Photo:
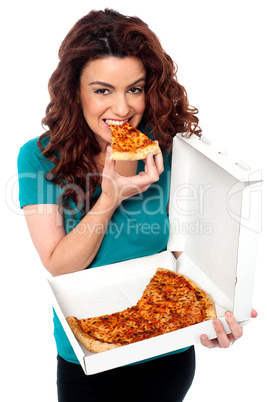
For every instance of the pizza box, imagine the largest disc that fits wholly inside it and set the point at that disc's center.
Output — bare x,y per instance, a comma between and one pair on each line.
214,210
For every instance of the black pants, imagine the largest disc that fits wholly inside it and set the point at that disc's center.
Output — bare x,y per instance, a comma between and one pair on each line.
166,379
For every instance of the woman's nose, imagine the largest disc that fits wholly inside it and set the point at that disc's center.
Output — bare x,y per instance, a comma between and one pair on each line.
121,106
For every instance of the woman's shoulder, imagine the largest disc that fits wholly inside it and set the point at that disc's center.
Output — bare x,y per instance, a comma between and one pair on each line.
31,154
32,145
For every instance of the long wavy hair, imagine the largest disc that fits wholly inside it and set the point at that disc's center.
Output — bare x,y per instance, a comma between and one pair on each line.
72,145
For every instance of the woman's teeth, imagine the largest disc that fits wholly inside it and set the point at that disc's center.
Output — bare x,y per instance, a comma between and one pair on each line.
116,122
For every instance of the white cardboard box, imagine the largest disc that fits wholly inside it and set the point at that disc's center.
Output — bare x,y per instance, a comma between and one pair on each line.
215,207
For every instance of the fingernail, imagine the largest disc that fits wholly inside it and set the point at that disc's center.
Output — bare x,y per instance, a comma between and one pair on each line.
228,314
254,313
216,322
203,337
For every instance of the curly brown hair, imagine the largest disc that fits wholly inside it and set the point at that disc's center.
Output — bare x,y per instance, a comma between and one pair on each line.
72,145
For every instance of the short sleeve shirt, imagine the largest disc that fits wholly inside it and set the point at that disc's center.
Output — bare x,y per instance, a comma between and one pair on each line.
139,226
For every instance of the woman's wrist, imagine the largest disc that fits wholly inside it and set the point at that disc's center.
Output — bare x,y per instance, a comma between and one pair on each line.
105,205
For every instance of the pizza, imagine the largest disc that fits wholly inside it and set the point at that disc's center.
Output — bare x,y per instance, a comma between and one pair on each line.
169,302
128,143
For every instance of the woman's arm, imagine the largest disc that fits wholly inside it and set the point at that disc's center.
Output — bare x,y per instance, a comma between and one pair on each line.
63,253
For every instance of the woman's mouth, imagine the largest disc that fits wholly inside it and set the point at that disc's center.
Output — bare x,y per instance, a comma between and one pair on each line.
116,122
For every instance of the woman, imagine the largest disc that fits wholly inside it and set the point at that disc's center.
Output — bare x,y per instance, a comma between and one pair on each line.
79,204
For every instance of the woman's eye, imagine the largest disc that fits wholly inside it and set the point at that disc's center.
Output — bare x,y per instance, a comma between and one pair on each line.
102,91
135,90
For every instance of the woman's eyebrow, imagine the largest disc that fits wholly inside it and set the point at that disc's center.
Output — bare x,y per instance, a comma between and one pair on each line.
105,84
136,82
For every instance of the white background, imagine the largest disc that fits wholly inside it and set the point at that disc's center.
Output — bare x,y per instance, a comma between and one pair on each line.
220,49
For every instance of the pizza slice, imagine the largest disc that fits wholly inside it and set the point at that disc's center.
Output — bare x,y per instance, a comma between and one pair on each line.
128,143
107,332
169,302
172,301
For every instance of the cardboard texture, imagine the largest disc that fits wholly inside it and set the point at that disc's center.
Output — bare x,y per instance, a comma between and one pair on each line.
214,213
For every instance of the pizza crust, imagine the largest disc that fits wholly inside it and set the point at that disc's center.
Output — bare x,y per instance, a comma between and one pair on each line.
137,155
86,340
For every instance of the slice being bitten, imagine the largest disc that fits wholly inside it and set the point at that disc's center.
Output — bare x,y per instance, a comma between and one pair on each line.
128,143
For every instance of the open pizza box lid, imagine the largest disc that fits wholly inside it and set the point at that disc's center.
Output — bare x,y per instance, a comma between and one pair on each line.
214,207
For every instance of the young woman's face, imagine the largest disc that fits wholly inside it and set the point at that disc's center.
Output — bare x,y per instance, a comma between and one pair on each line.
112,91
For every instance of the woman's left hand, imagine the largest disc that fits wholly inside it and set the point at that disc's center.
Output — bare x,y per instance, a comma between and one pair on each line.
223,340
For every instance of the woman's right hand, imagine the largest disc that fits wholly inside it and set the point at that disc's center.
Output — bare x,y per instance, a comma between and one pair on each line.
117,188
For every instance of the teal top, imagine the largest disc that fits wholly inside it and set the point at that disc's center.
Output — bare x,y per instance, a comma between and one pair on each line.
139,226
